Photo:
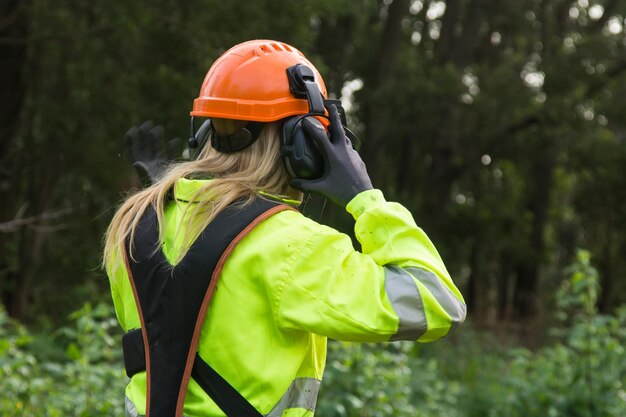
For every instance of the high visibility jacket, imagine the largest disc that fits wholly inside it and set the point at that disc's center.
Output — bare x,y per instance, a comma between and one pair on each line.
290,284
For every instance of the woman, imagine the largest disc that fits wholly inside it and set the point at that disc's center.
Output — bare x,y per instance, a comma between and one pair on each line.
280,283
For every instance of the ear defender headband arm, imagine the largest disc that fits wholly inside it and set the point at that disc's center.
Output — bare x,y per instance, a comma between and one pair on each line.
193,141
302,156
198,138
302,85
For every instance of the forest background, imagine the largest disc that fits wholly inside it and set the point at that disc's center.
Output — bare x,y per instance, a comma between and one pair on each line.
500,125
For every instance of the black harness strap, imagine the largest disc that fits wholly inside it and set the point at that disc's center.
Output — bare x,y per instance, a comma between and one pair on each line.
172,302
227,398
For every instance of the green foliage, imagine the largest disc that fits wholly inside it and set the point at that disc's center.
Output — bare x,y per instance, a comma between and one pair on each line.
75,371
384,380
583,373
364,380
577,297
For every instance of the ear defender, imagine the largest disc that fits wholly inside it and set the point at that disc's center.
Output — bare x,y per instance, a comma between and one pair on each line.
301,155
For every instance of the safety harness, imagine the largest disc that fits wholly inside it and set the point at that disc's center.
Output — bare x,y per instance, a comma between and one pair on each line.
172,303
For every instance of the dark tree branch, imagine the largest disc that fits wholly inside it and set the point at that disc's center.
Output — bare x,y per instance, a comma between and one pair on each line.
14,225
539,117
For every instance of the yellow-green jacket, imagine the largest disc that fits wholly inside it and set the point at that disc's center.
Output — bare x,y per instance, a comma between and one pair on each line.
289,285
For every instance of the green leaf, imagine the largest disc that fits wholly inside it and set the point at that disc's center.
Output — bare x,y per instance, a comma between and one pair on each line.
73,351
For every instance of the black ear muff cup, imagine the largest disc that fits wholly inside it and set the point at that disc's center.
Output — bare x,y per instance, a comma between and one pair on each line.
301,154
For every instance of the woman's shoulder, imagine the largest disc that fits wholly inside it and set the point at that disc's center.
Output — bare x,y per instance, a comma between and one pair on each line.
283,234
292,222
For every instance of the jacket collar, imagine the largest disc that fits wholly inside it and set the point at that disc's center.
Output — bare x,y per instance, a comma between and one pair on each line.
185,190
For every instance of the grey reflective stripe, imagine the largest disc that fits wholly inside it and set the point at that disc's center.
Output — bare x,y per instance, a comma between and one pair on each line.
302,393
407,302
455,308
131,410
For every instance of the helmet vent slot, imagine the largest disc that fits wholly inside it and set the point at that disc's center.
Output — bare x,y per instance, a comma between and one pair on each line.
277,47
265,49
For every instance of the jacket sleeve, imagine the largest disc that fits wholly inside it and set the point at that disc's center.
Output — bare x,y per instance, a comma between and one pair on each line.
397,288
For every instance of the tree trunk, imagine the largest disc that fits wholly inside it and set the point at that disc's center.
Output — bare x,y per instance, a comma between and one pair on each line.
13,26
525,295
505,286
474,288
382,74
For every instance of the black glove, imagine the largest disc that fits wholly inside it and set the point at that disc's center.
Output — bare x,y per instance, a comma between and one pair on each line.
345,174
148,150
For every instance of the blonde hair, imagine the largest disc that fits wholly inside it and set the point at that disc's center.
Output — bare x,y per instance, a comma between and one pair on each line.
234,176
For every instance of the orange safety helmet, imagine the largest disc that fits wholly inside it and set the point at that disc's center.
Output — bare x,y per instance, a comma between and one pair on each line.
250,82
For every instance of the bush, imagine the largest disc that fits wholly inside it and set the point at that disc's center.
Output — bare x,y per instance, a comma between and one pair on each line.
584,372
84,378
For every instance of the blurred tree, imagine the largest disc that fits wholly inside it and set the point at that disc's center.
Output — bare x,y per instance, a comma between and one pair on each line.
471,86
13,31
500,125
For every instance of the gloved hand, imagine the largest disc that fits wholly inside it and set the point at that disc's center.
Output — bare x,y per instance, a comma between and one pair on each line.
148,150
345,174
